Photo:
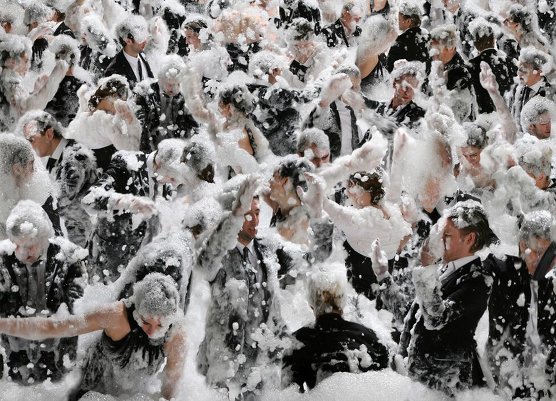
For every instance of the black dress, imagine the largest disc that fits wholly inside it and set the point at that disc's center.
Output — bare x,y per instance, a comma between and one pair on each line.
123,366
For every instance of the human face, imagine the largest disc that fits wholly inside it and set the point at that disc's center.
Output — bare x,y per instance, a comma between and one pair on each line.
457,244
152,326
23,172
358,196
403,22
107,105
320,156
29,250
19,64
277,186
350,18
404,89
192,39
527,75
543,127
135,48
248,231
226,110
170,87
303,48
512,26
532,252
441,53
7,26
41,142
472,154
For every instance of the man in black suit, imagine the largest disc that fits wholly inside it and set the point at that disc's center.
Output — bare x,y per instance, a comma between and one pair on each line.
411,45
162,109
504,70
344,31
521,311
44,272
59,16
439,329
129,62
71,165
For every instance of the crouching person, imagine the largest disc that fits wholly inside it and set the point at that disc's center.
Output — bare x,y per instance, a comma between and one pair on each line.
331,344
40,275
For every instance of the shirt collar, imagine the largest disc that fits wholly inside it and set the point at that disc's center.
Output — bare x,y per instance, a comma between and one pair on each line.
130,59
537,86
463,261
59,149
249,246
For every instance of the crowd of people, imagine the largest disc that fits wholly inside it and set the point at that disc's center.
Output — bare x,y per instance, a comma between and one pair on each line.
402,150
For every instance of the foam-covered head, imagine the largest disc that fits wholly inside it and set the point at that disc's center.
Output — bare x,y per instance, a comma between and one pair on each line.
445,35
156,297
237,95
14,151
200,157
470,216
13,47
534,156
535,59
536,116
327,288
134,27
312,136
265,63
113,86
538,224
36,13
476,135
42,120
65,48
519,14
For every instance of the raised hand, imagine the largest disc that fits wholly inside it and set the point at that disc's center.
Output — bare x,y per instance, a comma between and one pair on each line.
245,193
314,197
334,88
487,78
378,259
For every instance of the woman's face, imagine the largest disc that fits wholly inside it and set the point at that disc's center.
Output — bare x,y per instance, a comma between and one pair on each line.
107,105
358,196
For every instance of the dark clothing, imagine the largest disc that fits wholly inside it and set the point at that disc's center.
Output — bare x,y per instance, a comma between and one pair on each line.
509,306
104,156
376,76
503,70
136,355
299,9
411,45
115,238
94,61
277,116
520,94
438,338
63,29
334,345
458,76
65,103
162,117
63,283
240,55
336,35
408,115
50,206
121,66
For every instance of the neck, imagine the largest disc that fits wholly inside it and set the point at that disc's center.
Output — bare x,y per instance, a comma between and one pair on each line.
55,143
131,52
244,241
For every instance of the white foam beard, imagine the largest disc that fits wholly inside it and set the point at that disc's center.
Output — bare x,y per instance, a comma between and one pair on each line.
165,323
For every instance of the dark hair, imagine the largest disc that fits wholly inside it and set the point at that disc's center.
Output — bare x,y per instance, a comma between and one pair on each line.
470,217
371,182
301,29
238,96
476,135
113,87
195,25
45,121
293,168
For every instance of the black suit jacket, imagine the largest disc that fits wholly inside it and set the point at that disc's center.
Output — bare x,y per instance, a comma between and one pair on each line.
120,66
63,29
411,45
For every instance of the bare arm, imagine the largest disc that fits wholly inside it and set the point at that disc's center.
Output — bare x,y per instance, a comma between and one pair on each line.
176,351
38,328
488,81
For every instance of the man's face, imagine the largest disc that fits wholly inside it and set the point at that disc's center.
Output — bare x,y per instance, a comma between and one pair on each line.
403,22
320,156
303,47
350,18
527,75
543,127
251,222
134,46
532,252
457,244
441,53
41,142
404,89
29,250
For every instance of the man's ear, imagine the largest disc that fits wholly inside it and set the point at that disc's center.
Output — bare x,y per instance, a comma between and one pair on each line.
471,238
49,133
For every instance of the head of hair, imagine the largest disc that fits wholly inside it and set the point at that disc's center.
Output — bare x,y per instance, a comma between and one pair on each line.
112,86
301,29
44,121
36,12
476,135
534,156
172,69
327,288
293,168
371,182
134,27
156,295
536,59
413,10
194,24
239,97
14,150
445,35
28,220
470,217
14,46
536,225
535,108
310,136
519,14
200,158
482,33
350,70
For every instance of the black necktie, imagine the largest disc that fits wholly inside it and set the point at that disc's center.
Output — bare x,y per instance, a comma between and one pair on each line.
139,68
50,164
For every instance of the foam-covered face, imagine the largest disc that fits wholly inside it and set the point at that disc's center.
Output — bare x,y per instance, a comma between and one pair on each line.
251,222
154,326
527,75
170,87
404,89
532,252
192,38
29,250
543,127
472,154
358,196
19,64
457,244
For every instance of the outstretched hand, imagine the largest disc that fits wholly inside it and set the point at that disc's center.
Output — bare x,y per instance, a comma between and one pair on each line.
334,88
487,78
314,197
378,259
242,203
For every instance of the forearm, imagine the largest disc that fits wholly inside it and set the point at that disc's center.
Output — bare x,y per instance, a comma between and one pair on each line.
508,125
38,328
40,99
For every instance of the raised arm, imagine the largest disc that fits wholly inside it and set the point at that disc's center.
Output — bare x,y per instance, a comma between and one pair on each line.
488,81
176,351
39,328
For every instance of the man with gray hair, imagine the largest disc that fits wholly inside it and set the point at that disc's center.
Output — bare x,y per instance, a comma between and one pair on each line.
345,30
162,109
132,34
536,117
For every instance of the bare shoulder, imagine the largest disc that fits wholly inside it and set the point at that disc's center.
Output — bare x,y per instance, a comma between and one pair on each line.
112,318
